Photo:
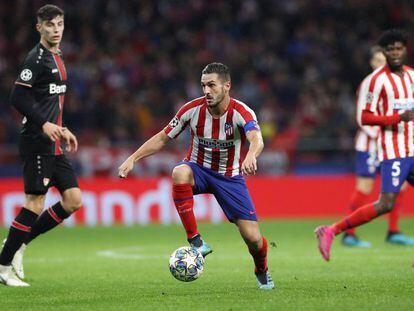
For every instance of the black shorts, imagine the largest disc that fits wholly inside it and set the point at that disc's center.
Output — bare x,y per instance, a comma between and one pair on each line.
43,171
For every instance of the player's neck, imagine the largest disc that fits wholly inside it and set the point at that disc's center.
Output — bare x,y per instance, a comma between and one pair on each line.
220,109
397,70
52,48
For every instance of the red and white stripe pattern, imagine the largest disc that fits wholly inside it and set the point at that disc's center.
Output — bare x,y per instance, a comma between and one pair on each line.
63,77
216,142
389,94
366,137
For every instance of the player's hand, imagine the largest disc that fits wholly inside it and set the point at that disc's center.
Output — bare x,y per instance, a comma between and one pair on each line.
53,131
125,168
70,139
407,116
249,165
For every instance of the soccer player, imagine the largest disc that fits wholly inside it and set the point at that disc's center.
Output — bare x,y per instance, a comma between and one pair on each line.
39,94
218,124
367,167
389,103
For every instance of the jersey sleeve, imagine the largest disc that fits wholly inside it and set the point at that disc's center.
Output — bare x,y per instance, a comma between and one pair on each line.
371,131
370,93
30,70
246,118
177,124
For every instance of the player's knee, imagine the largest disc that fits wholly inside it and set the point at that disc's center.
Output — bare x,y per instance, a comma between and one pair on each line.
73,202
182,174
385,206
253,239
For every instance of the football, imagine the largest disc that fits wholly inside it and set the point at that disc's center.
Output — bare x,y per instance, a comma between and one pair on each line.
186,264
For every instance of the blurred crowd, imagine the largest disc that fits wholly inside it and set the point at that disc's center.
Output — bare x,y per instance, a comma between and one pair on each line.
131,64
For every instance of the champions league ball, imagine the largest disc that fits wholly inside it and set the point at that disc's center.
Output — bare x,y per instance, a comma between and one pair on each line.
186,264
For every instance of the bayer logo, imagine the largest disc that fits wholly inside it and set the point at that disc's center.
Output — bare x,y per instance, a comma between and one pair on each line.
26,75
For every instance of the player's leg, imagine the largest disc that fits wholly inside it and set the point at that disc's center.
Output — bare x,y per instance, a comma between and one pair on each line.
394,235
54,215
13,245
64,179
360,197
393,174
257,245
182,193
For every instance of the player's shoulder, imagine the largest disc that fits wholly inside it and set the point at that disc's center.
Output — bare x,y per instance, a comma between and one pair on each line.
409,69
240,106
376,75
192,104
36,54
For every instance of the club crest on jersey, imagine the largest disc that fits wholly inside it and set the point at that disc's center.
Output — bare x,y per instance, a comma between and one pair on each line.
46,181
174,122
228,128
26,74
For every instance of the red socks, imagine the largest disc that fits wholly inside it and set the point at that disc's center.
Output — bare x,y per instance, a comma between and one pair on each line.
260,257
184,202
362,215
358,199
393,215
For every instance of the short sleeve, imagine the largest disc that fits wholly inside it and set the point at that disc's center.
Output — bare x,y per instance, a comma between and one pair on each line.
246,118
29,70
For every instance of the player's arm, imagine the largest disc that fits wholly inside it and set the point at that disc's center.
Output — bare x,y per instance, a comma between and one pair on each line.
249,165
151,146
369,118
22,99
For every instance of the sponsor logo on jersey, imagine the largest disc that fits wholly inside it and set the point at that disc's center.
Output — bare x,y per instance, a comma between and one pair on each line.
228,128
57,89
26,74
403,104
174,122
215,143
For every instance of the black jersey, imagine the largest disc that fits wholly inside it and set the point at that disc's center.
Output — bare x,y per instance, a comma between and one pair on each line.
45,74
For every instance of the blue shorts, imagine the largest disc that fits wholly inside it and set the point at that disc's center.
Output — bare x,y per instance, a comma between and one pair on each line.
394,172
230,192
367,164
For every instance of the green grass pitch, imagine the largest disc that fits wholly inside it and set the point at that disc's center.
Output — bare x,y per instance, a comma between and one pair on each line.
126,268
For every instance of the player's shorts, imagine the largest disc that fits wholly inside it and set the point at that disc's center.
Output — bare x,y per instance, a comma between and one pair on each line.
230,192
367,164
43,171
394,172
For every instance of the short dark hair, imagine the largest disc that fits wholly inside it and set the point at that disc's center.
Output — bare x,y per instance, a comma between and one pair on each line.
391,36
49,12
219,68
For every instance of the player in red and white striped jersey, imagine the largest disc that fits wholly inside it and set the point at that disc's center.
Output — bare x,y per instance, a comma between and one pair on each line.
389,103
215,142
367,165
218,125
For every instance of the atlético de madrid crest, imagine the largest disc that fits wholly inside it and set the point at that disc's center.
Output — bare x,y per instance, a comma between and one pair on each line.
228,128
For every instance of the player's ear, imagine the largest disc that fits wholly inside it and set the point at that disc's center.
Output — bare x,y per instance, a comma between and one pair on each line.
38,26
227,85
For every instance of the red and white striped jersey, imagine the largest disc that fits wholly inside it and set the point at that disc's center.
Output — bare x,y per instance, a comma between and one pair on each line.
366,136
215,142
389,94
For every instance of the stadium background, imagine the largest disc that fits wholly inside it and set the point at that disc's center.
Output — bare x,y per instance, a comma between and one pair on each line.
131,64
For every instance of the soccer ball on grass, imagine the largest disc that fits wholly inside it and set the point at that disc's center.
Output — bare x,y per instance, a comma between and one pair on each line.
186,264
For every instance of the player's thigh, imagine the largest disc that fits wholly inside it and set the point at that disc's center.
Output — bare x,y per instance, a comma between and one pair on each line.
364,184
64,176
199,180
234,198
394,173
37,173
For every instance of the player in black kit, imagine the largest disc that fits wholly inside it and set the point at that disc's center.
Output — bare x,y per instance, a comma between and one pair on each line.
39,95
